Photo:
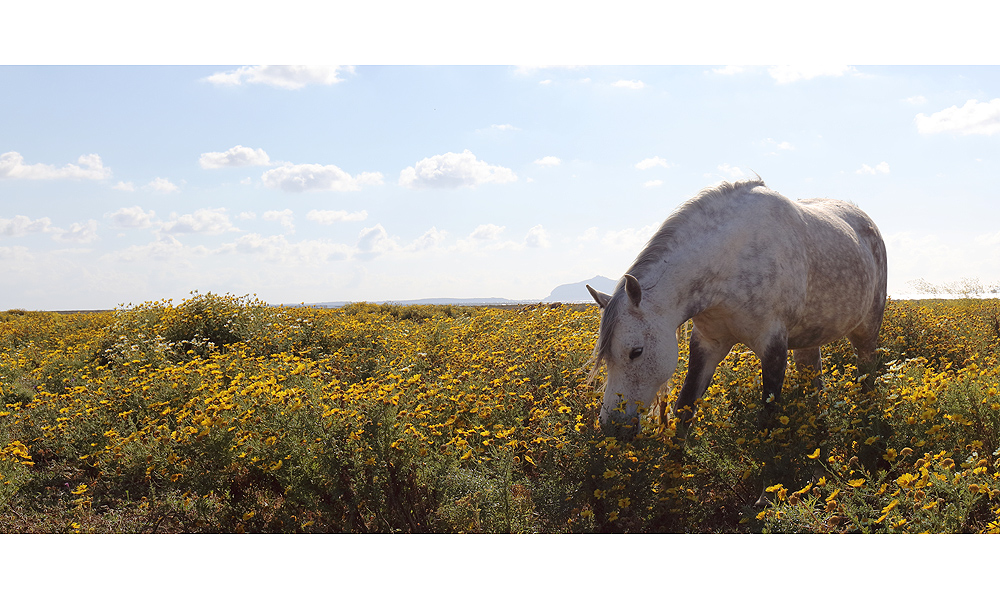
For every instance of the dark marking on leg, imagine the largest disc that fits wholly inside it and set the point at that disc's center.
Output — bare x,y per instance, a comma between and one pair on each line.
703,358
773,365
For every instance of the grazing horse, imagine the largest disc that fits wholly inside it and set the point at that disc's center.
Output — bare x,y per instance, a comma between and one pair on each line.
746,265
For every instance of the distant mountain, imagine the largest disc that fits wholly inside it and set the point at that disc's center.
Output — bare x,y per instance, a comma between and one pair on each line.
454,301
577,292
570,293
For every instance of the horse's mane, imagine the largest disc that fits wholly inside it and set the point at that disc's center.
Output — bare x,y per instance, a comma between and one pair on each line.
707,201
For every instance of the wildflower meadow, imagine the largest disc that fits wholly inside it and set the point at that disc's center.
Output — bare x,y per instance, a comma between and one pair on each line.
225,414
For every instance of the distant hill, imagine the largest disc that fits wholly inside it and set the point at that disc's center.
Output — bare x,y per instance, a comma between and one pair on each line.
577,292
454,301
570,293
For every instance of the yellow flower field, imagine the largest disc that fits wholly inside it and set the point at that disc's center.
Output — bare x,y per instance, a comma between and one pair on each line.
222,414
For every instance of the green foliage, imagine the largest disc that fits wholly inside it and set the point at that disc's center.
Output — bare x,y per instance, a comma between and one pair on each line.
222,414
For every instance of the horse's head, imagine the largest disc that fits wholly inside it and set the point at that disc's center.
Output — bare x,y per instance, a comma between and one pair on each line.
640,352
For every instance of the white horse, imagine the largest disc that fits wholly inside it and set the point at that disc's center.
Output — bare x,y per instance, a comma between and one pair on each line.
747,265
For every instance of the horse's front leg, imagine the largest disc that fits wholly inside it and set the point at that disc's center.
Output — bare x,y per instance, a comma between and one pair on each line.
703,358
774,360
773,364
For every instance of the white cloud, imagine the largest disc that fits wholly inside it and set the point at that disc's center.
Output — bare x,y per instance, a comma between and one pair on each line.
629,239
329,178
788,74
80,233
629,84
779,145
915,100
278,249
212,221
13,256
373,241
328,217
431,238
487,233
882,167
289,77
131,218
728,70
653,183
504,127
163,248
237,156
537,237
648,163
21,225
733,173
282,216
247,215
161,184
89,166
548,161
545,82
124,187
589,235
451,170
941,258
974,118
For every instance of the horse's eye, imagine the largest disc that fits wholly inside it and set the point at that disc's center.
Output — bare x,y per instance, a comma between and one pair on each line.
635,353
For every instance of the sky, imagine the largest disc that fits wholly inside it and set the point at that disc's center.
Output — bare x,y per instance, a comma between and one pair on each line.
122,183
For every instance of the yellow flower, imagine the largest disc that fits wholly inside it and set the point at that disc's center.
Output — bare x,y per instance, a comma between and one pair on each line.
856,483
815,454
600,494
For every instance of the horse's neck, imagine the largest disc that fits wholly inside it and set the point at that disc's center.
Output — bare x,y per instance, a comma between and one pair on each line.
683,288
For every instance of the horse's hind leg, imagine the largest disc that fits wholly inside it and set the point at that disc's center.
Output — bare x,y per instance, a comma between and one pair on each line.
809,359
864,338
773,362
865,342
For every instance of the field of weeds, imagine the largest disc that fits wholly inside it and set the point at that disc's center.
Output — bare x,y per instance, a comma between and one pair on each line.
223,414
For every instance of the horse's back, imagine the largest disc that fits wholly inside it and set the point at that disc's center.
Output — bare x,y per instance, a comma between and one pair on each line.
847,272
839,234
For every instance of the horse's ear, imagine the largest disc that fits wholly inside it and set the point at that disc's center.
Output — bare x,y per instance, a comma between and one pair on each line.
600,298
633,289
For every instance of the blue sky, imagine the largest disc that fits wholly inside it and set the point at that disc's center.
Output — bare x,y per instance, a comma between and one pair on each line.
121,184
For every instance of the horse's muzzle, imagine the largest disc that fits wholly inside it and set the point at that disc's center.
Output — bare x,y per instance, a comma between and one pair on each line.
621,426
